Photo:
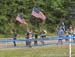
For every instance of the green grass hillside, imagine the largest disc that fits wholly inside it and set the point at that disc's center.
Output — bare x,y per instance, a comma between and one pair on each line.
44,51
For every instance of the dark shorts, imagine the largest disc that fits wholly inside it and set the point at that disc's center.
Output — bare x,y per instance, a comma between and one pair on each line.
60,38
43,36
74,36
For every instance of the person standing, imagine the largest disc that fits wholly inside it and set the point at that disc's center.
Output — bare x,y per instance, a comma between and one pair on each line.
67,35
14,35
62,24
71,31
29,35
43,35
74,34
60,34
36,36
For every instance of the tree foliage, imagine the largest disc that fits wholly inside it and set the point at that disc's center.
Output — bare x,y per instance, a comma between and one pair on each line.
9,9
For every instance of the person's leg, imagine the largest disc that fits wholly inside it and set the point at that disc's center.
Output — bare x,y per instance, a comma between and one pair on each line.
29,44
60,41
26,43
42,41
67,40
35,41
73,38
14,42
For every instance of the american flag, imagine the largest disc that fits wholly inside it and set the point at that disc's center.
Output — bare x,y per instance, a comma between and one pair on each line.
38,14
21,20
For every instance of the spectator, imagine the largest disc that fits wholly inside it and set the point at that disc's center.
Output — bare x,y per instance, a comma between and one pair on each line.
43,35
74,34
67,35
36,36
60,34
14,35
29,36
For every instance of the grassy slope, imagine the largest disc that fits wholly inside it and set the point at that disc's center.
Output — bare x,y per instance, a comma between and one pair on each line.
37,52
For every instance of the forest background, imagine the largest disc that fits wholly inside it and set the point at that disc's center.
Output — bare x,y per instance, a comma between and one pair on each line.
54,10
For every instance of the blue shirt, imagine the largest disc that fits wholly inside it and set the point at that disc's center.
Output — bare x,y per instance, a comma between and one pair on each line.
60,32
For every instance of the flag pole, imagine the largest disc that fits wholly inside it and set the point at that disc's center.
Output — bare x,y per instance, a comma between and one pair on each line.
35,4
70,47
27,27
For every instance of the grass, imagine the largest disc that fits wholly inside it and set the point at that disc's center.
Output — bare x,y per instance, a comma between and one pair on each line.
47,51
22,36
43,51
